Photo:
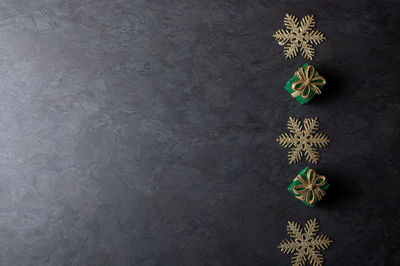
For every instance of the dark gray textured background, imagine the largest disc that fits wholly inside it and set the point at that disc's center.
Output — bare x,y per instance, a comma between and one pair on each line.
143,132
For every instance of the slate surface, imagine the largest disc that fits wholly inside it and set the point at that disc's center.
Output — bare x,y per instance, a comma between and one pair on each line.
143,132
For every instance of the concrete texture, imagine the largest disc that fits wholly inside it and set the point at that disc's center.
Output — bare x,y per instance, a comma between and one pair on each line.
143,132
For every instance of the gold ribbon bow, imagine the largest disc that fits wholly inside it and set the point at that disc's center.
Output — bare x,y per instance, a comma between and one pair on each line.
309,81
310,188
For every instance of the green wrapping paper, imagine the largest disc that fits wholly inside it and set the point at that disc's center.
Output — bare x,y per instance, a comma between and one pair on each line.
309,187
305,84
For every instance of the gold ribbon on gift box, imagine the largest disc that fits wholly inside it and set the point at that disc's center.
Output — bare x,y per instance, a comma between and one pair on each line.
310,188
309,81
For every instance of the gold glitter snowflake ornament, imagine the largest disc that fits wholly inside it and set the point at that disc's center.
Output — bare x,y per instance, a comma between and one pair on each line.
305,244
303,140
299,36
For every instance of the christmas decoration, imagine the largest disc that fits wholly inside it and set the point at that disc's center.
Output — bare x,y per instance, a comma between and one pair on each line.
305,84
303,140
309,187
305,244
299,36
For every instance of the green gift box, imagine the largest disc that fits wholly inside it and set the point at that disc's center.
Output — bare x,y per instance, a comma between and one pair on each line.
309,187
305,84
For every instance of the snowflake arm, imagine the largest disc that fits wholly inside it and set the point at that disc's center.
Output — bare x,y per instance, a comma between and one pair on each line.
288,246
282,36
290,50
311,228
321,242
315,258
291,22
307,23
294,125
320,140
286,140
299,259
294,230
307,51
312,154
310,125
295,154
316,37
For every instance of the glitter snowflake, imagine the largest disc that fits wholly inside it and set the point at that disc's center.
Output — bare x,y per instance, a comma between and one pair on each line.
303,140
305,245
299,36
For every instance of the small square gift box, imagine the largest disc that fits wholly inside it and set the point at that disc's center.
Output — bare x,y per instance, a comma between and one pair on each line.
305,84
309,187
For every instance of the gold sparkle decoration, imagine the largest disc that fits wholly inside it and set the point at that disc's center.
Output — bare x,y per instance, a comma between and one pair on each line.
299,36
309,80
310,188
305,243
303,140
